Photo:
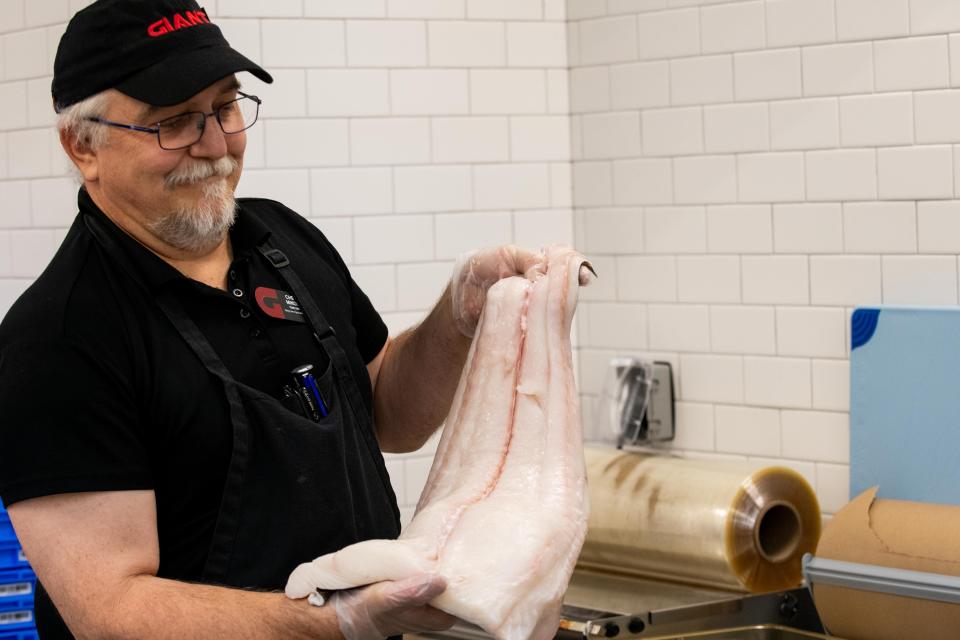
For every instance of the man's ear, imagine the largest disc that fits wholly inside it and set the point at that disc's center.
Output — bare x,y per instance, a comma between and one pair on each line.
82,155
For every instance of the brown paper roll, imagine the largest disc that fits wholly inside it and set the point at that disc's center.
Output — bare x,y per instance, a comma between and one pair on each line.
890,533
727,524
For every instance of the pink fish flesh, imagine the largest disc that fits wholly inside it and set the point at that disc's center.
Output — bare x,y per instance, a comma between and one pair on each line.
504,511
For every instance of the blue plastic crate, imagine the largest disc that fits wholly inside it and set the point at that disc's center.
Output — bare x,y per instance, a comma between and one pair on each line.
12,557
15,622
16,589
11,554
7,535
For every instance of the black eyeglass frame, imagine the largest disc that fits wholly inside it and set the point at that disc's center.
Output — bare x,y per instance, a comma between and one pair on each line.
216,112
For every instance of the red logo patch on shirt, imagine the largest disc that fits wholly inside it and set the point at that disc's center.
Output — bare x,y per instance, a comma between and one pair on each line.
176,22
278,304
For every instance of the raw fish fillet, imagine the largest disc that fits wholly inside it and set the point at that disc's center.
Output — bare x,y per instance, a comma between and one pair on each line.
504,511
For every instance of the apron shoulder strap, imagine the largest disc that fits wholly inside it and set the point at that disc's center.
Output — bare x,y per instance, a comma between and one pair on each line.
275,256
327,337
228,520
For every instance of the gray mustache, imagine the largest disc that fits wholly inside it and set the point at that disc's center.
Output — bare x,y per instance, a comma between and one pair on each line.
201,170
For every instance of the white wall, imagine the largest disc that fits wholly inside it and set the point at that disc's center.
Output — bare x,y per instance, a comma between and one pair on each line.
408,130
746,173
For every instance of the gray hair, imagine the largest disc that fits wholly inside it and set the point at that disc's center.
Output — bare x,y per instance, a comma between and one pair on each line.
74,120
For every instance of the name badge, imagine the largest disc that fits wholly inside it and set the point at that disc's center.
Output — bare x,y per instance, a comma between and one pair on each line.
278,304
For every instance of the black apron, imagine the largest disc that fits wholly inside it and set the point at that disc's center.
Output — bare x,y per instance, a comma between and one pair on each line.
295,489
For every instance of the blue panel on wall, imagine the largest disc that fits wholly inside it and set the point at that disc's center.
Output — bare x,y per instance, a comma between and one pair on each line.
905,403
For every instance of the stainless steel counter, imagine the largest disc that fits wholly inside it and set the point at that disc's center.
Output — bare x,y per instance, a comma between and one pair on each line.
599,605
627,594
761,632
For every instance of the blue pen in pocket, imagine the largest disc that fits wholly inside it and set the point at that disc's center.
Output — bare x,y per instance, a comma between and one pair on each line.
310,392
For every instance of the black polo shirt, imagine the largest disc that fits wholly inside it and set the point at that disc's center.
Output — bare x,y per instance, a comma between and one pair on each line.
98,391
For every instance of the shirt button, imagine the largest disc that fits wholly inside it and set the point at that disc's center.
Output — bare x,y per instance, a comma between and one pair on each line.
238,293
255,333
244,314
233,274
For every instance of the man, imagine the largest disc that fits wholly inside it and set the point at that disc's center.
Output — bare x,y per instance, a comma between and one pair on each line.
188,389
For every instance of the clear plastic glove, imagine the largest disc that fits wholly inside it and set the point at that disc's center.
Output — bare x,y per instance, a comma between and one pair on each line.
476,271
391,608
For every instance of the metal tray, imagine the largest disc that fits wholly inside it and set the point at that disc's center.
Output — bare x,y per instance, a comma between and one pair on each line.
759,632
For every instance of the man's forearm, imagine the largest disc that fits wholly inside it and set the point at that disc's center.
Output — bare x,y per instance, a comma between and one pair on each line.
418,379
151,608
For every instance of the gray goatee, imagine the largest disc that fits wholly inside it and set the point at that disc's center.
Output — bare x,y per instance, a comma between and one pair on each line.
200,226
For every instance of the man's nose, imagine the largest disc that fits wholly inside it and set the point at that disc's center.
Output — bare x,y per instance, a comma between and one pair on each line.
212,142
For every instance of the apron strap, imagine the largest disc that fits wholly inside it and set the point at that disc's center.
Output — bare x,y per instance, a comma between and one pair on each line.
228,520
325,335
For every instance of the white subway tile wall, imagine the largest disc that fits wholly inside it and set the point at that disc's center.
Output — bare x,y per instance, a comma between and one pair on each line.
739,229
733,128
797,159
743,329
742,172
748,430
3,158
768,75
701,80
804,124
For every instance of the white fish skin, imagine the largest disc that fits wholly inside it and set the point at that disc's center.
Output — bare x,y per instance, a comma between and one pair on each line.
504,511
456,478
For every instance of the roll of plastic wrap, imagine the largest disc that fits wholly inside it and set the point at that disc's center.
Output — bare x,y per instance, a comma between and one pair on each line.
728,524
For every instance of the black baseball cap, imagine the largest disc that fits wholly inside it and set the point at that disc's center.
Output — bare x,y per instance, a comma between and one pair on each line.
161,52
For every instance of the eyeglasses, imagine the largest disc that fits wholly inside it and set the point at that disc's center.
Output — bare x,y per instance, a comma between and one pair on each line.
186,129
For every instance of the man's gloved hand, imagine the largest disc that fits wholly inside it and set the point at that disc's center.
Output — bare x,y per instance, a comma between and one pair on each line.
476,271
391,608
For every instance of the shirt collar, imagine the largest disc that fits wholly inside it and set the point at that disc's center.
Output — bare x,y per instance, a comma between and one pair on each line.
246,234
